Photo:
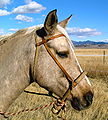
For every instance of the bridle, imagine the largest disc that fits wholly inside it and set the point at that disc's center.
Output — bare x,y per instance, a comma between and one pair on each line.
72,82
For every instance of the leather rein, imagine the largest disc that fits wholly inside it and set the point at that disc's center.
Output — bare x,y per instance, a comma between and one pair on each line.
72,82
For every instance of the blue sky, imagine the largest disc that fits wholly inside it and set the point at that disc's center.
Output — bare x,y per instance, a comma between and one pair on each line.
89,21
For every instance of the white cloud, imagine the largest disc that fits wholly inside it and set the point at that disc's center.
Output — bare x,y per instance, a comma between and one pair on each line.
24,18
43,15
32,7
1,31
4,12
3,3
28,1
13,29
82,33
104,40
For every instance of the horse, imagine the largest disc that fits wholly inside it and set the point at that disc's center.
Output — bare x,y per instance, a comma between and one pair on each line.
20,65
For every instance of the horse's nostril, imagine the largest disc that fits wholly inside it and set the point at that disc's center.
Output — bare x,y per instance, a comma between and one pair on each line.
89,97
76,103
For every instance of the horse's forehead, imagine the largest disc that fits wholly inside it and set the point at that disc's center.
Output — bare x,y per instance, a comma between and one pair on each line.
60,43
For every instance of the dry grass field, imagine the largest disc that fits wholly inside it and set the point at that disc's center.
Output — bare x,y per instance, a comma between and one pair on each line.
99,109
93,61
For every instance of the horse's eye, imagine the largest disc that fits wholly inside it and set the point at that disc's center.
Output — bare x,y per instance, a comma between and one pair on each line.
62,54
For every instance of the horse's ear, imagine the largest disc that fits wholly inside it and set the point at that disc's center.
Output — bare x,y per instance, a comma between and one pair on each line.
65,22
51,22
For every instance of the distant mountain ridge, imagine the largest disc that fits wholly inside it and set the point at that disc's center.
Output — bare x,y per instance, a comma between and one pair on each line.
90,44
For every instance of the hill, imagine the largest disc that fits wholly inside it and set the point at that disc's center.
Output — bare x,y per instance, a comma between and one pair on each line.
90,44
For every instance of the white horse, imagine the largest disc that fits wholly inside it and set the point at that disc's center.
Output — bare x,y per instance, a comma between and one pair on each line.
17,68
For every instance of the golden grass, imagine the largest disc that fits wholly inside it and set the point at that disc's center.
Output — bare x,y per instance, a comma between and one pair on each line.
96,66
98,110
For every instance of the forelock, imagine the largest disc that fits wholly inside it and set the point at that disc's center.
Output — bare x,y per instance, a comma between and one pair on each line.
62,30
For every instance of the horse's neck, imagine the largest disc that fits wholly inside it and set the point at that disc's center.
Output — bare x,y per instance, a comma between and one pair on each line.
15,60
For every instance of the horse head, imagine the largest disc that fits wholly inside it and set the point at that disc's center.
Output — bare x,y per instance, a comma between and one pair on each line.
49,75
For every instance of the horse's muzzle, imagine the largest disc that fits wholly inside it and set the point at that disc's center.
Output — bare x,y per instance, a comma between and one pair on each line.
80,105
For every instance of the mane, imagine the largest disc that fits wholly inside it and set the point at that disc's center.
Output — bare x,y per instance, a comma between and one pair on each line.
31,29
3,38
25,31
